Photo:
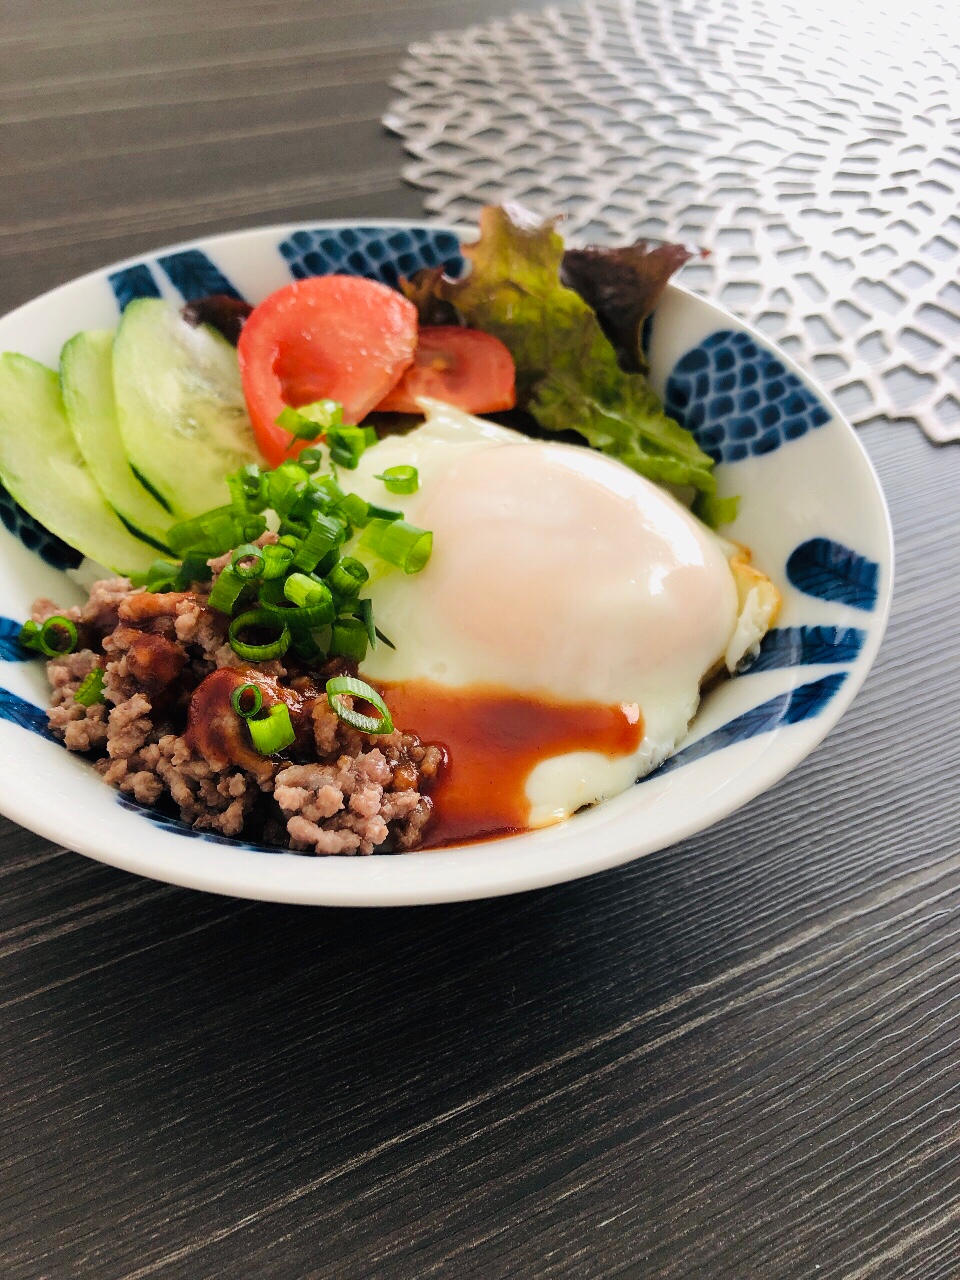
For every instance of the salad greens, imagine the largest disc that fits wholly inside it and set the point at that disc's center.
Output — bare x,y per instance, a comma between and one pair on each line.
568,375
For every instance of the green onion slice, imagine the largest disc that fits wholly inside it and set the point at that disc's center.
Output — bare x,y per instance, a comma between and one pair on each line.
400,479
399,543
162,576
247,562
353,507
341,685
274,732
277,559
324,535
316,610
91,688
347,577
246,700
57,636
347,445
310,459
348,639
258,652
226,590
193,569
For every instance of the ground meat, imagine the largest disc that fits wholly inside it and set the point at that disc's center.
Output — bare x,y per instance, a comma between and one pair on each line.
166,733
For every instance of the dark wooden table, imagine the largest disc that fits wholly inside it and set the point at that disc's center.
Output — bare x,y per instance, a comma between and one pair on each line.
737,1058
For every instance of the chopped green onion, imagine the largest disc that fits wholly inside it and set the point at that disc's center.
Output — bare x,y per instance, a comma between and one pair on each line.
327,414
193,569
310,459
274,732
91,688
284,486
349,639
162,576
341,685
258,652
400,479
355,509
215,532
347,445
247,562
299,427
325,492
364,611
308,647
254,484
325,534
277,559
399,543
57,636
386,639
246,700
293,529
382,513
347,577
311,604
226,590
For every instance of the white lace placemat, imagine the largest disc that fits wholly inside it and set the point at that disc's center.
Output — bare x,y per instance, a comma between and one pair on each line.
813,147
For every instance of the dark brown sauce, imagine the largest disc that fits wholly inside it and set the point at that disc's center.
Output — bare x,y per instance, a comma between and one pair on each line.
493,739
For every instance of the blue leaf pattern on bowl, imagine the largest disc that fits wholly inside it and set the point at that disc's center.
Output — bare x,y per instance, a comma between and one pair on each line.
26,714
738,399
34,536
805,646
798,704
830,571
380,253
133,282
196,276
10,648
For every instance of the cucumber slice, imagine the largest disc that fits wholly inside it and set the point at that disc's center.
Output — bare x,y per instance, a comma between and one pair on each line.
44,470
86,382
180,406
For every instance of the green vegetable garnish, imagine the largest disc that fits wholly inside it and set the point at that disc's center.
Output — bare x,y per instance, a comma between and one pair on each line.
400,479
57,636
274,732
246,700
341,685
91,688
399,543
567,371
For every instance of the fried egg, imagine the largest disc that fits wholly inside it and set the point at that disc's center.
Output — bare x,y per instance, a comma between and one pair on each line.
561,575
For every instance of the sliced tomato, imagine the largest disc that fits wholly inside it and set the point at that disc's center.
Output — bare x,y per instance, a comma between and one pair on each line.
338,338
467,368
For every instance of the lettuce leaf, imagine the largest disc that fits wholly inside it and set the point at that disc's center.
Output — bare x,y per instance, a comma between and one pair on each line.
568,376
623,286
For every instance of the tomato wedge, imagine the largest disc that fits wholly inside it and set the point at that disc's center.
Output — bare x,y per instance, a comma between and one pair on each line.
327,338
467,368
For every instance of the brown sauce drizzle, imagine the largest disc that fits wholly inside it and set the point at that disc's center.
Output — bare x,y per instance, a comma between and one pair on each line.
494,738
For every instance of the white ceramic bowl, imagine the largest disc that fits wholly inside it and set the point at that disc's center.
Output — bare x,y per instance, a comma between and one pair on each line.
811,509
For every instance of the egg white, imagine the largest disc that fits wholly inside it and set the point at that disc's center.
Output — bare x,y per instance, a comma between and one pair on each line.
560,572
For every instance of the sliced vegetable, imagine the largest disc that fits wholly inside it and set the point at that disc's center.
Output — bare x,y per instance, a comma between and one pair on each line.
467,368
180,406
91,688
274,732
260,619
342,686
340,338
399,543
400,479
56,637
45,472
246,700
86,382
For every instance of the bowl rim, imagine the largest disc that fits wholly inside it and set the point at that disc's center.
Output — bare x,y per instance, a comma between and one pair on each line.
405,880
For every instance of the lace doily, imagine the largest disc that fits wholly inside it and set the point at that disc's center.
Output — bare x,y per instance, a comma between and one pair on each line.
813,148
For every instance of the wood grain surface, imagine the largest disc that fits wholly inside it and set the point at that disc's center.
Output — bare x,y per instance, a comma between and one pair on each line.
737,1058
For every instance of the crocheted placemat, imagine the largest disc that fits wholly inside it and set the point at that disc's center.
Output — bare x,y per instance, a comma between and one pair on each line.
813,148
